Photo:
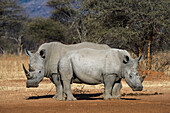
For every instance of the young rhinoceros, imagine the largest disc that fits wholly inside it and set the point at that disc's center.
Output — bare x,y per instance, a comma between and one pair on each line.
99,66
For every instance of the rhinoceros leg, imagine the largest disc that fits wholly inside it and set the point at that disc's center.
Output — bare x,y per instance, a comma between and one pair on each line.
66,73
116,90
67,90
108,84
59,90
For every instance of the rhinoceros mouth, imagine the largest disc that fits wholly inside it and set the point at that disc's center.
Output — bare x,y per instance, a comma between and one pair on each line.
31,83
32,86
139,88
135,86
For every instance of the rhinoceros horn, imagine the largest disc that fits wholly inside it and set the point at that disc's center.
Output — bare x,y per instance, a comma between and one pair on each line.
142,78
28,75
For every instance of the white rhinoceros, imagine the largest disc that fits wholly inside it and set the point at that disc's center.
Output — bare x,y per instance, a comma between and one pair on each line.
92,66
44,62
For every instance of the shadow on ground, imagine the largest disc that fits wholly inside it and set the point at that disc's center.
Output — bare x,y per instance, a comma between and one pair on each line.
97,96
39,97
141,94
129,99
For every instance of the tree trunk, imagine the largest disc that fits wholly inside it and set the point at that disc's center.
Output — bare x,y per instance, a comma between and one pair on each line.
149,53
80,37
3,51
20,45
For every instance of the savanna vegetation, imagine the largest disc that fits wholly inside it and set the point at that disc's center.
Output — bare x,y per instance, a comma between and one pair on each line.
139,26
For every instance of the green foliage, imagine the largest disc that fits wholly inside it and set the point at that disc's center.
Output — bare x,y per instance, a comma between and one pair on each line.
64,10
11,17
147,19
120,23
44,30
127,24
11,23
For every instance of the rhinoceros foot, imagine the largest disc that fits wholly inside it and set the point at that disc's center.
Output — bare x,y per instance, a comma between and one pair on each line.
107,97
116,97
71,99
58,98
55,96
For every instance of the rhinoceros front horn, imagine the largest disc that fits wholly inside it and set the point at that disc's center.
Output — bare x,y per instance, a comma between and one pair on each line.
142,78
26,72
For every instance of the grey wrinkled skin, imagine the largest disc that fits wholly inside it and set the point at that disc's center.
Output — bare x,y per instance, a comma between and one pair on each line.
100,66
44,62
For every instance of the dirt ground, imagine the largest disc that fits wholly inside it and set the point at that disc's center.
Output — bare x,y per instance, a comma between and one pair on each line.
16,98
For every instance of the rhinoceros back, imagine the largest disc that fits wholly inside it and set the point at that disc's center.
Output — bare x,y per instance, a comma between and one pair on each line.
55,50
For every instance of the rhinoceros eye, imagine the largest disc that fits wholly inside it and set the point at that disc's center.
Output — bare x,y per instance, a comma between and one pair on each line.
130,76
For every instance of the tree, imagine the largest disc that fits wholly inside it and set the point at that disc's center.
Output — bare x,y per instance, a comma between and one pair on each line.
11,24
69,13
147,20
130,24
42,30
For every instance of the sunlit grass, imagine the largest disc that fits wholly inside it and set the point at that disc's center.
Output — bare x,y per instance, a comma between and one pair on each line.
11,66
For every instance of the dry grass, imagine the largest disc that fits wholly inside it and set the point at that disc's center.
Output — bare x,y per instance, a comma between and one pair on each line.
11,66
160,62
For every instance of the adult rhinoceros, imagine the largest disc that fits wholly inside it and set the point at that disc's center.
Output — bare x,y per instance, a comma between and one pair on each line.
99,66
43,63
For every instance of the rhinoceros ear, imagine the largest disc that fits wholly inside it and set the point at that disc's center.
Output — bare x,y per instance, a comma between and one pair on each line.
42,53
125,59
140,58
28,53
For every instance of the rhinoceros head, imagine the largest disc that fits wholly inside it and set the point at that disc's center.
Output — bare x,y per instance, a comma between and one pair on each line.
131,74
35,73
